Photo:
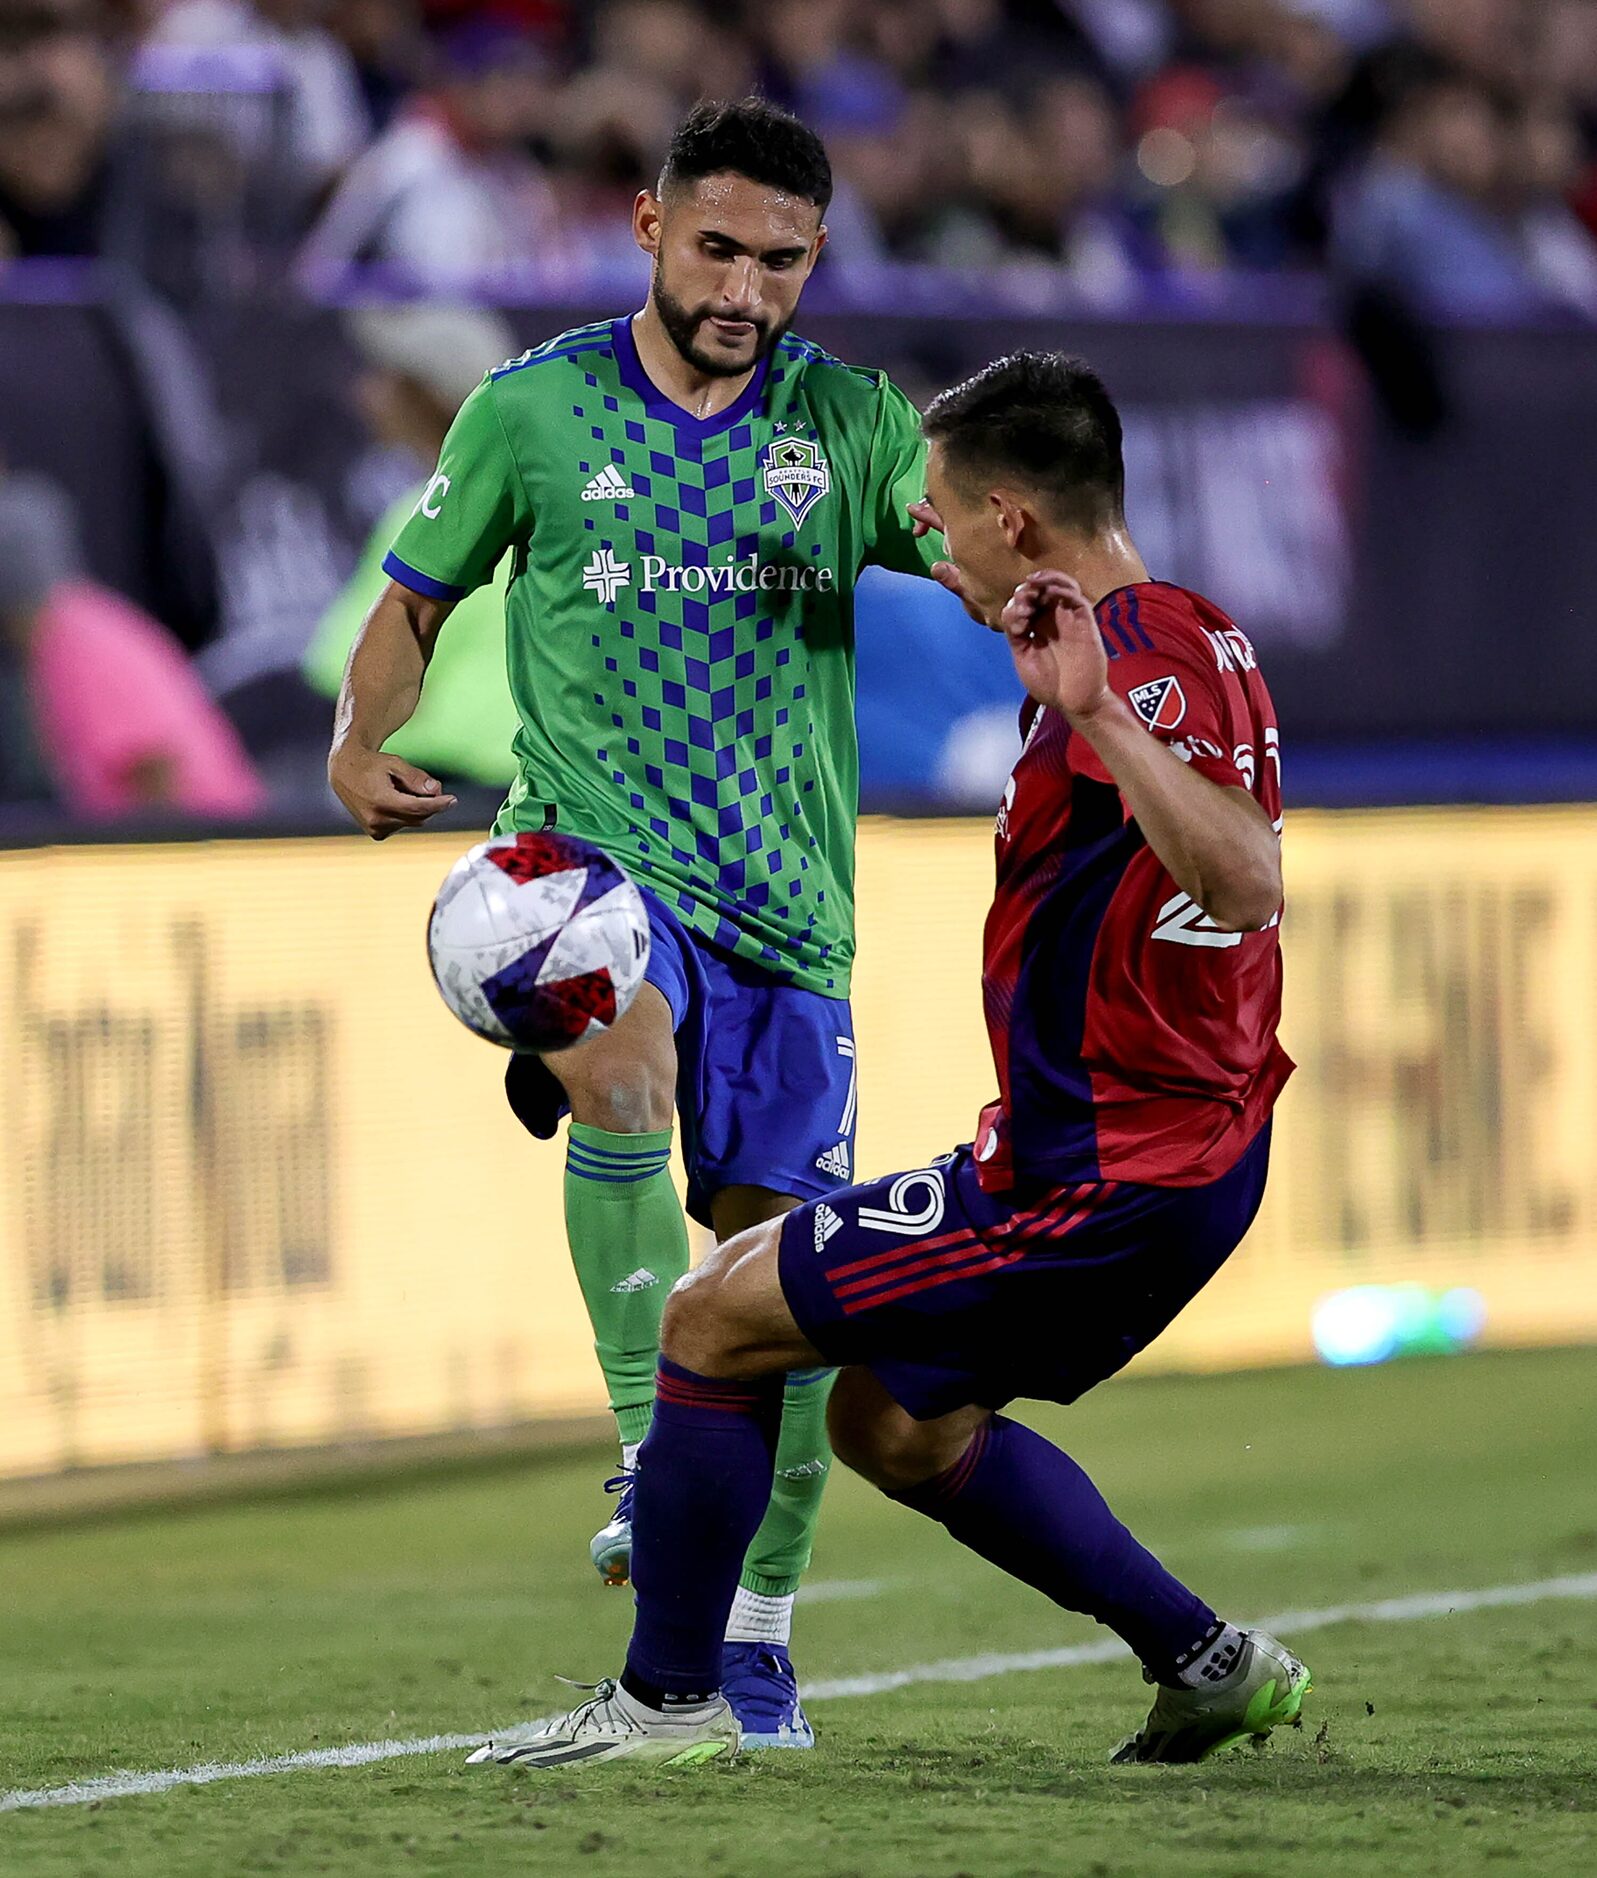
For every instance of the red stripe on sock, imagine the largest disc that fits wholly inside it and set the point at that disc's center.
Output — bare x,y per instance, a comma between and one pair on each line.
953,1481
683,1395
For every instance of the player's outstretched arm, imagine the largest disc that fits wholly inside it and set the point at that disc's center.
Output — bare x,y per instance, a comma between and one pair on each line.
382,685
1216,843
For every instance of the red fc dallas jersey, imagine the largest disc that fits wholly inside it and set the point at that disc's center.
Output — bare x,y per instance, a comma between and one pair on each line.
1133,1039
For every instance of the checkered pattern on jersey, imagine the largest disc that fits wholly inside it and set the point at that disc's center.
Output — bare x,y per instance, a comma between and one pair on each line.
706,695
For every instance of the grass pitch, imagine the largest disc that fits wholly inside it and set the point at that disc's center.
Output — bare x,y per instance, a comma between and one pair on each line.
1451,1745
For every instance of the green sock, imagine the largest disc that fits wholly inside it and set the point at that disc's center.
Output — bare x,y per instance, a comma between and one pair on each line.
629,1243
780,1552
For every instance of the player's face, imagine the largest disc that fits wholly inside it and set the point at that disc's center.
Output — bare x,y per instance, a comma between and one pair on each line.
978,536
731,258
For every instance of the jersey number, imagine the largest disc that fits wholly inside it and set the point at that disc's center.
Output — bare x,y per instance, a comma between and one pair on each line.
1184,923
914,1206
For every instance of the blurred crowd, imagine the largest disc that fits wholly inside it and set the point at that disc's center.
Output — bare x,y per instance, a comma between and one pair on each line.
1442,148
1428,160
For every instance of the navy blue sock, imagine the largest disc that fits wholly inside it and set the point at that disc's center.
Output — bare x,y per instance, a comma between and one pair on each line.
704,1482
1025,1505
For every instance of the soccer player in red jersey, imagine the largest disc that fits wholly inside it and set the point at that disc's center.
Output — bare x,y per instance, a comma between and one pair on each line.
1132,985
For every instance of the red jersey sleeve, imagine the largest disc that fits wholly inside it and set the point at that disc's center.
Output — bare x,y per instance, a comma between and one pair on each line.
1162,663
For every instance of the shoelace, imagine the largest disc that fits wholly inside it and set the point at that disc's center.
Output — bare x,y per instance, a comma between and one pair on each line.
573,1719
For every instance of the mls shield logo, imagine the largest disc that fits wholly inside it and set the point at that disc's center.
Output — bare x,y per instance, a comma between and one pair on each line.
1161,705
796,474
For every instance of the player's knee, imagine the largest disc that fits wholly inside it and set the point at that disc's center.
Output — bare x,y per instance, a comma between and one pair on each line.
633,1106
697,1329
624,1098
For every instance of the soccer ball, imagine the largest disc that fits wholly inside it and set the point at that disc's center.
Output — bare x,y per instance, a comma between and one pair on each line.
538,941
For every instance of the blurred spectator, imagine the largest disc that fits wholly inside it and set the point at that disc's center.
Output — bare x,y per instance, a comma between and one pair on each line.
449,193
116,712
384,41
58,96
1430,218
420,364
1480,37
326,118
1121,143
1545,170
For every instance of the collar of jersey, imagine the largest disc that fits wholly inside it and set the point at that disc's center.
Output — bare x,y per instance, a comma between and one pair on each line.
657,404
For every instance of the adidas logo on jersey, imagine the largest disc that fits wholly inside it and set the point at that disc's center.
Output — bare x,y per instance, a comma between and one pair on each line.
609,486
640,1280
826,1223
834,1161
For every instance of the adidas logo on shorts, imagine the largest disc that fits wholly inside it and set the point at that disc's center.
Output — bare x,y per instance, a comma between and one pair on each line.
826,1223
834,1161
608,486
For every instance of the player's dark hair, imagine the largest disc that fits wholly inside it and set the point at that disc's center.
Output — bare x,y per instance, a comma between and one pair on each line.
1046,419
752,138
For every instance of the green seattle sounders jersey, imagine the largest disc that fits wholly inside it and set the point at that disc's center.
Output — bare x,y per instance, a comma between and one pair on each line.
680,619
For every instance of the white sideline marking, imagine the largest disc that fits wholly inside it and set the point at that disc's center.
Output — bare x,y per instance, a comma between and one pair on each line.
119,1786
840,1590
1290,1623
1267,1538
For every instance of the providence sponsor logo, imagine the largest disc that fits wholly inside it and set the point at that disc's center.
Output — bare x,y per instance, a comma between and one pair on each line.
605,576
750,575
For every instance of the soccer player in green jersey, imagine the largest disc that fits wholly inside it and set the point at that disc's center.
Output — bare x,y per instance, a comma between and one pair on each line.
688,496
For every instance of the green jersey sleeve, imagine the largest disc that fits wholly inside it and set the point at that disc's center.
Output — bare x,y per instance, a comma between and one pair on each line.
471,511
897,478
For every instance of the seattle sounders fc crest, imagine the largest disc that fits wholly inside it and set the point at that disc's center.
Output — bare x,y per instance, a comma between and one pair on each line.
796,474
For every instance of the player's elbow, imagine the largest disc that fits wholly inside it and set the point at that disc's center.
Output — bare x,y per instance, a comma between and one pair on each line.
1248,898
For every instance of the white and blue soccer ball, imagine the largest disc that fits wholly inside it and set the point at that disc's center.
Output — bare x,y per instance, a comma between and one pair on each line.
538,941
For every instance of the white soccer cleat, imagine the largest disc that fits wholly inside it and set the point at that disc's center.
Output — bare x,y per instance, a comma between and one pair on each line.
1264,1690
611,1724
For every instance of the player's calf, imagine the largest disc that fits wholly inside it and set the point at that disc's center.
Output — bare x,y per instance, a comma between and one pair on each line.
885,1444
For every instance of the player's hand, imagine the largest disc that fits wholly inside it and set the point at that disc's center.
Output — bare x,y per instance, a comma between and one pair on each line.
384,793
1054,640
928,522
926,519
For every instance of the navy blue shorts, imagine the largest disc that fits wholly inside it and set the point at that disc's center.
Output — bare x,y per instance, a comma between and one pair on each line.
765,1072
954,1297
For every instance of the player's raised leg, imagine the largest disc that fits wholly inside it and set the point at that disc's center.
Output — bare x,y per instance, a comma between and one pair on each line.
624,1224
1013,1497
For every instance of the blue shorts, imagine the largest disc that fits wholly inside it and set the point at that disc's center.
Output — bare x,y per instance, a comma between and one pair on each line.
765,1072
954,1297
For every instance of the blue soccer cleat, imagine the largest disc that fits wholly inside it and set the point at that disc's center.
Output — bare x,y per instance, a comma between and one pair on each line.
758,1680
611,1546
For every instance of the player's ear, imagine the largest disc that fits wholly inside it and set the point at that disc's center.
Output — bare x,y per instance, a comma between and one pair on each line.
647,216
817,244
1012,519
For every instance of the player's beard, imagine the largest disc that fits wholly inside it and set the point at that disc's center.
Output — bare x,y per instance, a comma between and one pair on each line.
682,325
